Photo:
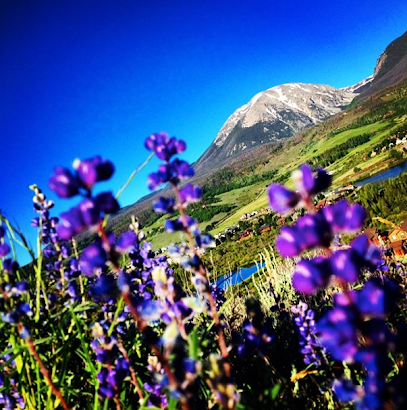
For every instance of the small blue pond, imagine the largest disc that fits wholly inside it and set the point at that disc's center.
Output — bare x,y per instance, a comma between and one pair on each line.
237,277
382,176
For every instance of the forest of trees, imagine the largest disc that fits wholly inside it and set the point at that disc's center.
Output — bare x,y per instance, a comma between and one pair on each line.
387,199
333,154
207,213
228,179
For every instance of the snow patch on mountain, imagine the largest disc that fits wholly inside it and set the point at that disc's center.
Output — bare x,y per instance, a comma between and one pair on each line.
356,87
311,103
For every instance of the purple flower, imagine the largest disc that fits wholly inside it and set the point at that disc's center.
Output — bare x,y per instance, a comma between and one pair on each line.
311,274
126,242
4,250
308,184
164,205
104,288
346,391
306,179
173,225
93,259
339,333
346,265
257,332
93,170
10,266
181,225
64,183
107,203
49,251
67,184
181,311
107,353
314,231
189,194
164,146
368,253
282,200
172,172
344,217
162,176
156,397
287,242
204,241
87,214
150,310
182,169
377,298
310,346
311,231
90,212
155,140
19,312
70,224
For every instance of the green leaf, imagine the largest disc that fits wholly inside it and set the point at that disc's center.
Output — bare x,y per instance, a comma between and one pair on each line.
85,346
193,344
275,390
172,403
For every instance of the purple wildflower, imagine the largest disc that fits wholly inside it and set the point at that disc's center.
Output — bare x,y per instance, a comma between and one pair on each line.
309,184
282,200
92,170
93,259
107,203
64,183
344,217
189,194
339,333
257,332
164,205
311,348
164,146
4,250
127,242
311,274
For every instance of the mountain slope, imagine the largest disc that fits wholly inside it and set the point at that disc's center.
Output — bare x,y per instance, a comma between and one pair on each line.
272,115
391,67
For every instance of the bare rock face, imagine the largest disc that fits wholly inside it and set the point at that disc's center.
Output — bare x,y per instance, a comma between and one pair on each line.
275,114
391,67
380,63
389,60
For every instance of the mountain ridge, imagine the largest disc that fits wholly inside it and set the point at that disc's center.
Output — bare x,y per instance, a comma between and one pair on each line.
262,121
274,114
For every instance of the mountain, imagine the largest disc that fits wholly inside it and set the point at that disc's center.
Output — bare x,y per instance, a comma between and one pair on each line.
391,67
272,115
282,111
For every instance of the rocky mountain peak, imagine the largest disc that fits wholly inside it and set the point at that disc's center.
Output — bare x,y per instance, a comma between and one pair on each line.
394,53
274,114
391,67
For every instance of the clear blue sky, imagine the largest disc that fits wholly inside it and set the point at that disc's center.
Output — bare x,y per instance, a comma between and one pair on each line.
86,77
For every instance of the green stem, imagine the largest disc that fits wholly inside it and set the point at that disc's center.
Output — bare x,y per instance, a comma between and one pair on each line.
44,371
38,269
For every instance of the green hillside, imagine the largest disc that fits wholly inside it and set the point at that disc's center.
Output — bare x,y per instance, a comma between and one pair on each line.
343,144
